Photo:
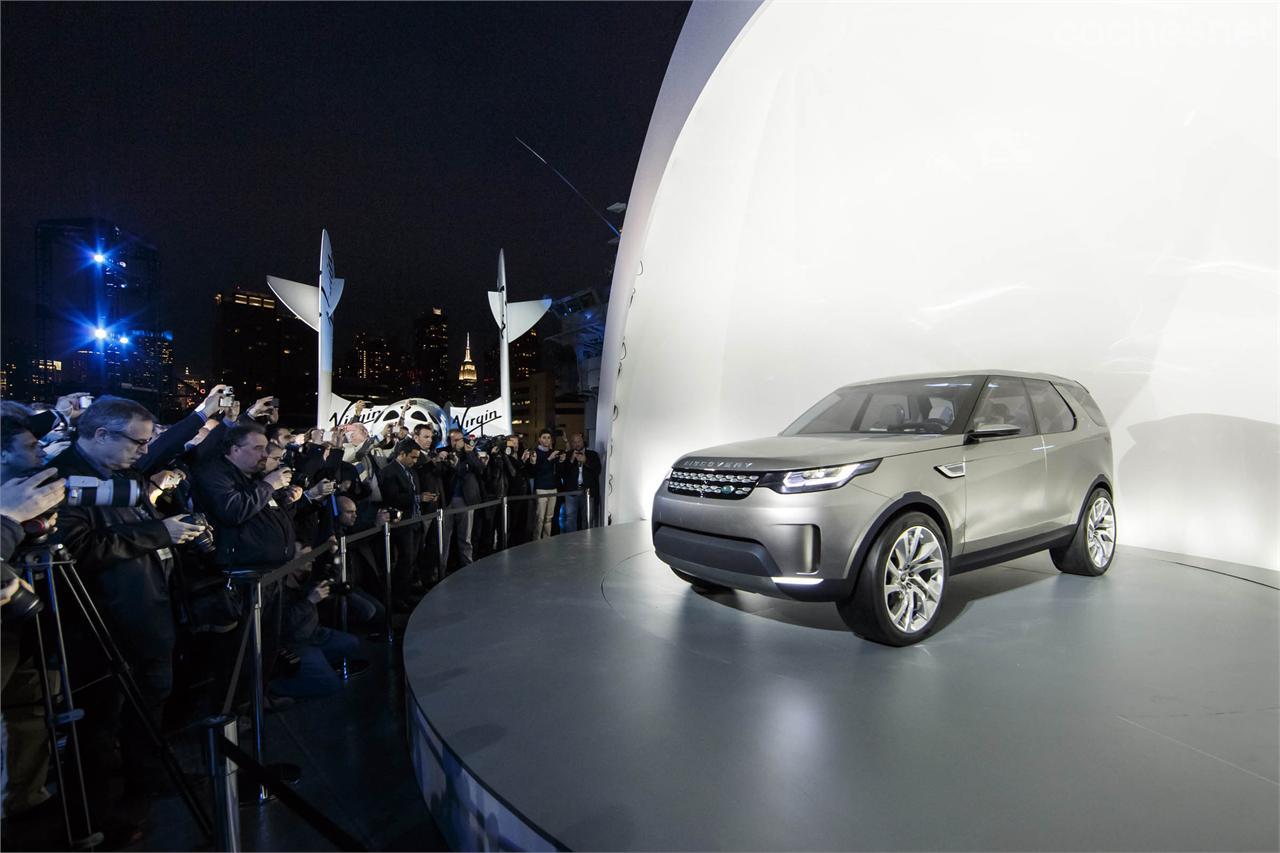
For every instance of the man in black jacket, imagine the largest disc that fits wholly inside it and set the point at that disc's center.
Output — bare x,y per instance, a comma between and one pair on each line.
461,489
430,471
401,491
125,555
579,470
251,529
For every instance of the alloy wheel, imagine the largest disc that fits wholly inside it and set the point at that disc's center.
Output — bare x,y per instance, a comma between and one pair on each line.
1100,531
913,579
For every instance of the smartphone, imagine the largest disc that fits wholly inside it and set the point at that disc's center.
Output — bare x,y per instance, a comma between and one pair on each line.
275,402
226,401
86,401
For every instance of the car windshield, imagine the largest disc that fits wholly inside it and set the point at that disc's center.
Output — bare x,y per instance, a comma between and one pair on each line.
932,406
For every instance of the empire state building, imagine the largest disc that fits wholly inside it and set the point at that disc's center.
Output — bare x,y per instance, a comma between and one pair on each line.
467,382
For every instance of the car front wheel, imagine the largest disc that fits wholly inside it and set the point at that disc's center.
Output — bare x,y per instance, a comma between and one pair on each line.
899,591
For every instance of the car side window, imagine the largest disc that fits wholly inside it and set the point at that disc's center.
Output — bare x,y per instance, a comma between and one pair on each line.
1052,412
1004,401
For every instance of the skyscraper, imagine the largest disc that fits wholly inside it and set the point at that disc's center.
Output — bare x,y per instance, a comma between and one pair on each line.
467,381
96,301
260,349
431,353
525,355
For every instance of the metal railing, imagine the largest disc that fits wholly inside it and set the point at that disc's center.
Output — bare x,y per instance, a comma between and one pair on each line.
225,759
423,521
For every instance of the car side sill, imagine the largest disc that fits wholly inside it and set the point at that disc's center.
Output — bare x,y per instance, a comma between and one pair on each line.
1011,550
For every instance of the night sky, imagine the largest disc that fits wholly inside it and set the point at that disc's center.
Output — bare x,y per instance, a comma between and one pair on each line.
228,135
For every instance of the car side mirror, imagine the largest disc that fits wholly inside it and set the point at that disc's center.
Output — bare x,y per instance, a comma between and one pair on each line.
992,431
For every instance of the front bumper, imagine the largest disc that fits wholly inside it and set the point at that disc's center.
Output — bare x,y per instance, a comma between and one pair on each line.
751,543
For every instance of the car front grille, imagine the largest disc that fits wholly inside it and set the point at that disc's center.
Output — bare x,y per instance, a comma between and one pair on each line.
711,484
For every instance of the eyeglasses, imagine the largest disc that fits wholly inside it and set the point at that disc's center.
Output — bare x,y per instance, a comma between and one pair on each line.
137,442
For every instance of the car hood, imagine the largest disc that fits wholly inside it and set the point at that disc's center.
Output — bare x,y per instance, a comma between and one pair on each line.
791,452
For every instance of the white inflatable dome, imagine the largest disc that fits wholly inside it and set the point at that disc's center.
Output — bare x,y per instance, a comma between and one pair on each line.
832,192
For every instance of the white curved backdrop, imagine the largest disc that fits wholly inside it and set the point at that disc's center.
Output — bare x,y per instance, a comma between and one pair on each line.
832,192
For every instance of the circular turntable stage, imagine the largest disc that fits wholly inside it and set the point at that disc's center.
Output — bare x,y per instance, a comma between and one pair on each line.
573,693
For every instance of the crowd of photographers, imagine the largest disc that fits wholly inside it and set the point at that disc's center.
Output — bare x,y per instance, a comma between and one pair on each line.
154,517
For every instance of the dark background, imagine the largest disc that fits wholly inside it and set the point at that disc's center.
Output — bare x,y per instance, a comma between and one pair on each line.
229,135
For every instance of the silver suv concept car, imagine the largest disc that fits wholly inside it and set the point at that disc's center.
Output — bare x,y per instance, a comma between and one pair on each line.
884,489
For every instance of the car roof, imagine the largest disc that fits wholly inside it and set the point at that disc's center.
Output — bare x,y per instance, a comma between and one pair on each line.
1020,374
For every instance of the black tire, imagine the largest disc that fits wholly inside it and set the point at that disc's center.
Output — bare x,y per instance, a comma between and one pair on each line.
866,612
698,584
1073,558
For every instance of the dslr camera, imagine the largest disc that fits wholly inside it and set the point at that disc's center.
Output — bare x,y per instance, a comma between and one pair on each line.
203,543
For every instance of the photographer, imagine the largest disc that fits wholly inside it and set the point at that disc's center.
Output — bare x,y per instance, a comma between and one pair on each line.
402,494
581,470
519,512
499,468
125,550
543,467
462,489
169,443
362,452
20,450
252,529
362,607
430,473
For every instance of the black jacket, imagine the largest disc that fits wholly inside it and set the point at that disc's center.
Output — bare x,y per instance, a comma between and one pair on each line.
251,529
170,444
467,469
399,491
430,479
590,472
500,472
124,554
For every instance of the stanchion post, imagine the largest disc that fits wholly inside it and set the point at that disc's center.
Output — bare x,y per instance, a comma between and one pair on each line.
342,578
586,497
444,568
261,794
506,525
386,556
222,779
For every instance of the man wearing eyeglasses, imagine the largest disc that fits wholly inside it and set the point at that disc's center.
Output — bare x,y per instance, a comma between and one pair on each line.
125,554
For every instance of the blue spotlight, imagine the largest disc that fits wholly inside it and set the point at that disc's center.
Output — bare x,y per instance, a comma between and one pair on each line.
100,333
99,258
124,339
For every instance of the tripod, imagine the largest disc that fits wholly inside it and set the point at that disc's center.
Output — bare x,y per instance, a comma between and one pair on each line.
52,560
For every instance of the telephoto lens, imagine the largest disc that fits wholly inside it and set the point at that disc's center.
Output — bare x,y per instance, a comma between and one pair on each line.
22,605
90,491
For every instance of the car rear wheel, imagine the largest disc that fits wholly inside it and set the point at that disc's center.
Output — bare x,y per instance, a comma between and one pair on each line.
899,591
698,584
1094,546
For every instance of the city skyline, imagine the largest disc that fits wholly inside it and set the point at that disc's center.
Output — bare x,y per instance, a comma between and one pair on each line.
230,165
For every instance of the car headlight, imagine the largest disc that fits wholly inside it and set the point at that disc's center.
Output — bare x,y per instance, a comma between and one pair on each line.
817,479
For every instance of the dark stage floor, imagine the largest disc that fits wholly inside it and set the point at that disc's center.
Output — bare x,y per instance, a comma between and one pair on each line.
614,708
352,749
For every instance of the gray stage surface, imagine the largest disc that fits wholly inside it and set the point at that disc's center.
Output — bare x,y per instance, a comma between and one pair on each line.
615,708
